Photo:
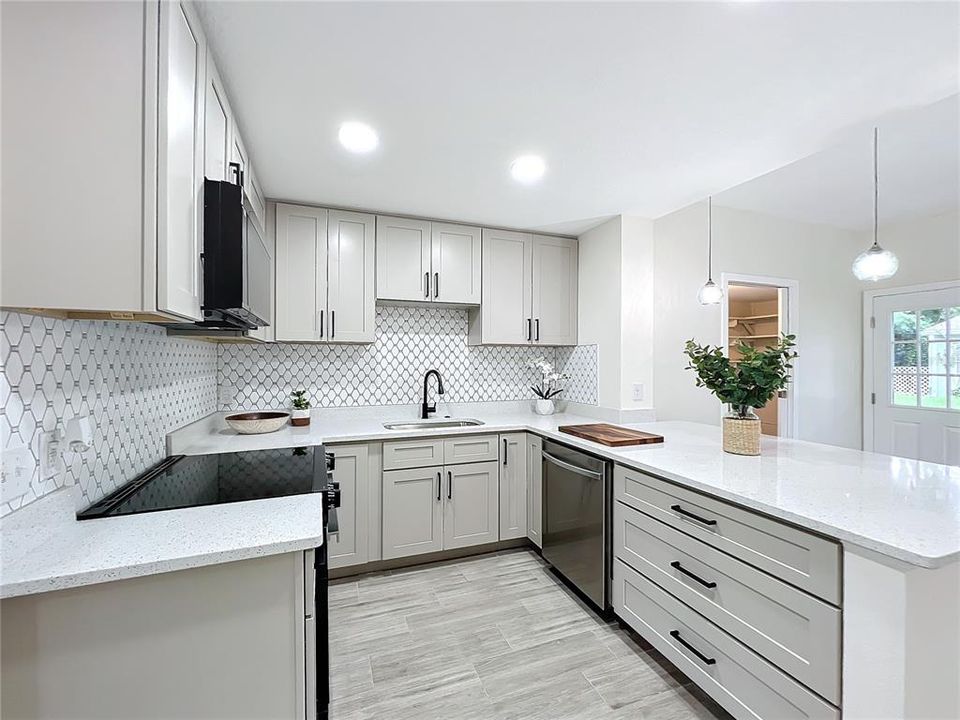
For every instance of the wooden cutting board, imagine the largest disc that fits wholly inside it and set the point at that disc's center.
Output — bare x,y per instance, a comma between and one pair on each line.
611,435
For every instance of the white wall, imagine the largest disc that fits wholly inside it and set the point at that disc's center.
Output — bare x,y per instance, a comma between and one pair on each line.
818,257
637,311
599,295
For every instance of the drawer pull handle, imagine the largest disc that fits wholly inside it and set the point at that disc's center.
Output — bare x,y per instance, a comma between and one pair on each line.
687,513
677,566
675,634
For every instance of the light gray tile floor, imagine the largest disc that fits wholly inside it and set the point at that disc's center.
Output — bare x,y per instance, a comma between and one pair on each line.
496,637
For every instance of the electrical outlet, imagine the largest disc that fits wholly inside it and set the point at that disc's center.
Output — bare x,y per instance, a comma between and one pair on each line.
18,467
49,454
637,392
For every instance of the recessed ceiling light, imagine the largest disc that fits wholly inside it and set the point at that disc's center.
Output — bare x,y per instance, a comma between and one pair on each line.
527,168
358,137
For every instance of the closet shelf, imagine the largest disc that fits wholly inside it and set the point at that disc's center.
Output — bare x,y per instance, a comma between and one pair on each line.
753,318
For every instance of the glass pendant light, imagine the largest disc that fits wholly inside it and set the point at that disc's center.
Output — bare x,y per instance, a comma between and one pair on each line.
710,293
875,263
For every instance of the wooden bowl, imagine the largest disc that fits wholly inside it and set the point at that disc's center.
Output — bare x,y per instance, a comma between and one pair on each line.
256,423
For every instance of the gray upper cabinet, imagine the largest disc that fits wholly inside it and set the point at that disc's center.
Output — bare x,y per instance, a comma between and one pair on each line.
325,275
422,261
138,143
529,290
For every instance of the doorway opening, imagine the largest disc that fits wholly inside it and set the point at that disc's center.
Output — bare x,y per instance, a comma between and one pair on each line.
757,311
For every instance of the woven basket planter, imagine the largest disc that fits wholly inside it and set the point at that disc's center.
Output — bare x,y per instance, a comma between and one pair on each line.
741,436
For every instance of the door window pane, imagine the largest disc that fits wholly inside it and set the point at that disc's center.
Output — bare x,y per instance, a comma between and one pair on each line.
933,391
954,359
904,356
933,357
954,397
904,325
953,322
904,388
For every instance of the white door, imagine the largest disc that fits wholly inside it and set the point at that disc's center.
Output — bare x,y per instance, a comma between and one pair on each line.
403,259
513,486
916,375
456,263
351,298
349,545
180,161
534,490
216,123
554,290
301,274
413,511
471,507
507,275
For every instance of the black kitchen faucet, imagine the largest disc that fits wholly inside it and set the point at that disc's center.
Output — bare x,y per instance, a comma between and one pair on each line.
426,408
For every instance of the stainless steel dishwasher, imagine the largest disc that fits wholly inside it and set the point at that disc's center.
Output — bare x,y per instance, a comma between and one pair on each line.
576,519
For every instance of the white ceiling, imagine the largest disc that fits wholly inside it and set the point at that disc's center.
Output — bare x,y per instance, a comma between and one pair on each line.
919,174
638,108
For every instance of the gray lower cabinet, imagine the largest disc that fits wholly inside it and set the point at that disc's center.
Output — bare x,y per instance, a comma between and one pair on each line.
440,508
513,485
413,511
740,680
534,490
351,544
471,505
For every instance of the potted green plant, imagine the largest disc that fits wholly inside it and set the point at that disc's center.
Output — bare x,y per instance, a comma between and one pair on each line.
301,408
744,385
550,385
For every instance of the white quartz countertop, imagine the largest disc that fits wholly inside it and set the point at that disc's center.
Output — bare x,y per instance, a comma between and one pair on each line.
44,547
903,509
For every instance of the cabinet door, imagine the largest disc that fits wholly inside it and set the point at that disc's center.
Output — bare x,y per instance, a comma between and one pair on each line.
301,274
513,486
534,490
257,202
403,259
349,545
238,156
259,269
351,299
180,161
217,122
413,522
456,263
471,504
267,333
554,290
507,275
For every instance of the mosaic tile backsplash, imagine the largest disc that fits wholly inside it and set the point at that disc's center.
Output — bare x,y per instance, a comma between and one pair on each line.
410,340
134,382
137,384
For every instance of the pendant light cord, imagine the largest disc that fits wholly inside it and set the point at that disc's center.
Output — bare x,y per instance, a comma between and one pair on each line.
876,186
710,238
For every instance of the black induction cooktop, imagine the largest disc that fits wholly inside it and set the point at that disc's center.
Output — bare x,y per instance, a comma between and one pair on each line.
184,481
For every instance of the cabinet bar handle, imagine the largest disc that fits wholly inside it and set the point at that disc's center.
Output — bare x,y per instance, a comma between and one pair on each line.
436,285
321,323
333,323
504,452
426,285
675,634
687,513
449,485
529,330
439,480
677,566
538,329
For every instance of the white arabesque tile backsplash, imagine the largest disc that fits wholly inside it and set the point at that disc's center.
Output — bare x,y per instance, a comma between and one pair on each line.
409,341
137,384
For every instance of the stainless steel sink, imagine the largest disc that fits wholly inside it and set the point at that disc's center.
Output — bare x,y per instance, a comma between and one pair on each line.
432,424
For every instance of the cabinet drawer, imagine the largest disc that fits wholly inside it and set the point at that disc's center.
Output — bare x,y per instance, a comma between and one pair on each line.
470,449
740,680
795,631
401,454
808,561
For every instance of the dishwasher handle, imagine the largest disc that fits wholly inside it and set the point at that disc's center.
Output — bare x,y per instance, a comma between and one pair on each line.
571,467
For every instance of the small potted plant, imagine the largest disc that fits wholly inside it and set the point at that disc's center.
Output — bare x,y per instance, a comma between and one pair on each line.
744,385
301,408
550,385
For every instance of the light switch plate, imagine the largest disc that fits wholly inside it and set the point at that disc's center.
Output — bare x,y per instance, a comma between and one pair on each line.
49,454
637,392
18,467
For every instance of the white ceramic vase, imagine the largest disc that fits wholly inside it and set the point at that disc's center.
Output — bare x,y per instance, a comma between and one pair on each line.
544,407
300,417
